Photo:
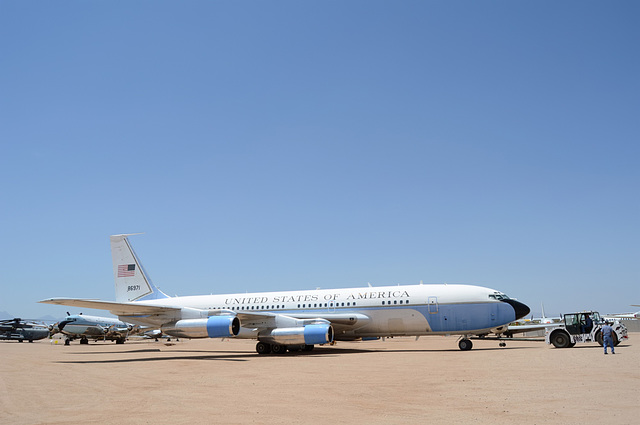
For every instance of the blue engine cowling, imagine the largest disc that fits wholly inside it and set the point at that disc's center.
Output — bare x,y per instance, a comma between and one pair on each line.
211,327
307,335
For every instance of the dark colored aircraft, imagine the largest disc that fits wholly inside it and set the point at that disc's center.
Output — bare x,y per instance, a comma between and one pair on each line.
19,330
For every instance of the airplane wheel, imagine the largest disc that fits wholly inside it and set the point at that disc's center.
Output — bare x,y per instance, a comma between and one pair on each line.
67,342
503,344
465,344
263,348
278,349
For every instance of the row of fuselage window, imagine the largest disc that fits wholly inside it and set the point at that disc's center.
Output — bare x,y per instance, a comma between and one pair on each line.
320,305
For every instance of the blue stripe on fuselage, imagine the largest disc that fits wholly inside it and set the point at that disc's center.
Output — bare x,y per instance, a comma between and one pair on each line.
463,317
443,318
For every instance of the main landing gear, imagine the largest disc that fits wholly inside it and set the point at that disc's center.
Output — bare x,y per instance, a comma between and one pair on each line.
465,344
265,348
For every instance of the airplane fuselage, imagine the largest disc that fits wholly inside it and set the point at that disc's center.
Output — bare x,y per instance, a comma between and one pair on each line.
92,327
382,311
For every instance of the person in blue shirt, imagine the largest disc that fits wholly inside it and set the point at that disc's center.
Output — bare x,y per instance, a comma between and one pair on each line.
607,337
586,325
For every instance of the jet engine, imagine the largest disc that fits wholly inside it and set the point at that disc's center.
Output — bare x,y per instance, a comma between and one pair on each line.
308,335
211,327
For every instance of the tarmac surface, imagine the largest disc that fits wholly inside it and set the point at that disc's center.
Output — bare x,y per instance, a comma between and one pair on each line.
397,381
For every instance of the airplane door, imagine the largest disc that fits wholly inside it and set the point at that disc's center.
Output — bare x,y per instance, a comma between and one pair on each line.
433,305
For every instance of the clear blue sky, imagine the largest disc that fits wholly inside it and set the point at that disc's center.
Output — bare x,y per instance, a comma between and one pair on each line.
292,145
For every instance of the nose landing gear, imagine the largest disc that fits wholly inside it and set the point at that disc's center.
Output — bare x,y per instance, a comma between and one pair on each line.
465,343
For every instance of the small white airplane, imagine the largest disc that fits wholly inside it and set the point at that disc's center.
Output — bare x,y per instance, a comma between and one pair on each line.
297,320
624,316
83,326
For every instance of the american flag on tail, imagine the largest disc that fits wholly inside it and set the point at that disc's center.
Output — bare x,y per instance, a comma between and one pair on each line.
126,270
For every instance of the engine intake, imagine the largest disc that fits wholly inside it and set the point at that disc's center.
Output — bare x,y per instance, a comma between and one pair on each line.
211,327
308,335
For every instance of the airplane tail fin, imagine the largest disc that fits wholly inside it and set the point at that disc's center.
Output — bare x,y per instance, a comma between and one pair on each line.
132,282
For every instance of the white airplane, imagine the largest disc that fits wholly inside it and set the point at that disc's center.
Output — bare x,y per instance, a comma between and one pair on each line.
84,327
624,316
297,320
538,320
546,320
87,327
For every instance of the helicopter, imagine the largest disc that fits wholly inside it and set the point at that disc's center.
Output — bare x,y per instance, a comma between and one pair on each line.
19,330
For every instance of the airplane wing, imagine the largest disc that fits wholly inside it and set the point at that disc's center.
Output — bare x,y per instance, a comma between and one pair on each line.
251,319
338,320
248,319
267,320
118,309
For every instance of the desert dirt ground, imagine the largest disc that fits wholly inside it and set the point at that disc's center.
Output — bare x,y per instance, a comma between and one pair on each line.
397,381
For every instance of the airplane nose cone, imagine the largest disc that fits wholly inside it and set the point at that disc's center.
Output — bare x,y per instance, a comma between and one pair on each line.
62,324
521,309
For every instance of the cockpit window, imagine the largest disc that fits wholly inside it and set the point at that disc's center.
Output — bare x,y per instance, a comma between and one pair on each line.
498,296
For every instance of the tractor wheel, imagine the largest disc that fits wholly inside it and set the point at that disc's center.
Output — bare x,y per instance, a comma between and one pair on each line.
560,339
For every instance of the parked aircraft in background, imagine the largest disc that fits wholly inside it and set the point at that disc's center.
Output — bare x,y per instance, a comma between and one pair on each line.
624,316
85,327
19,330
536,320
297,320
544,319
